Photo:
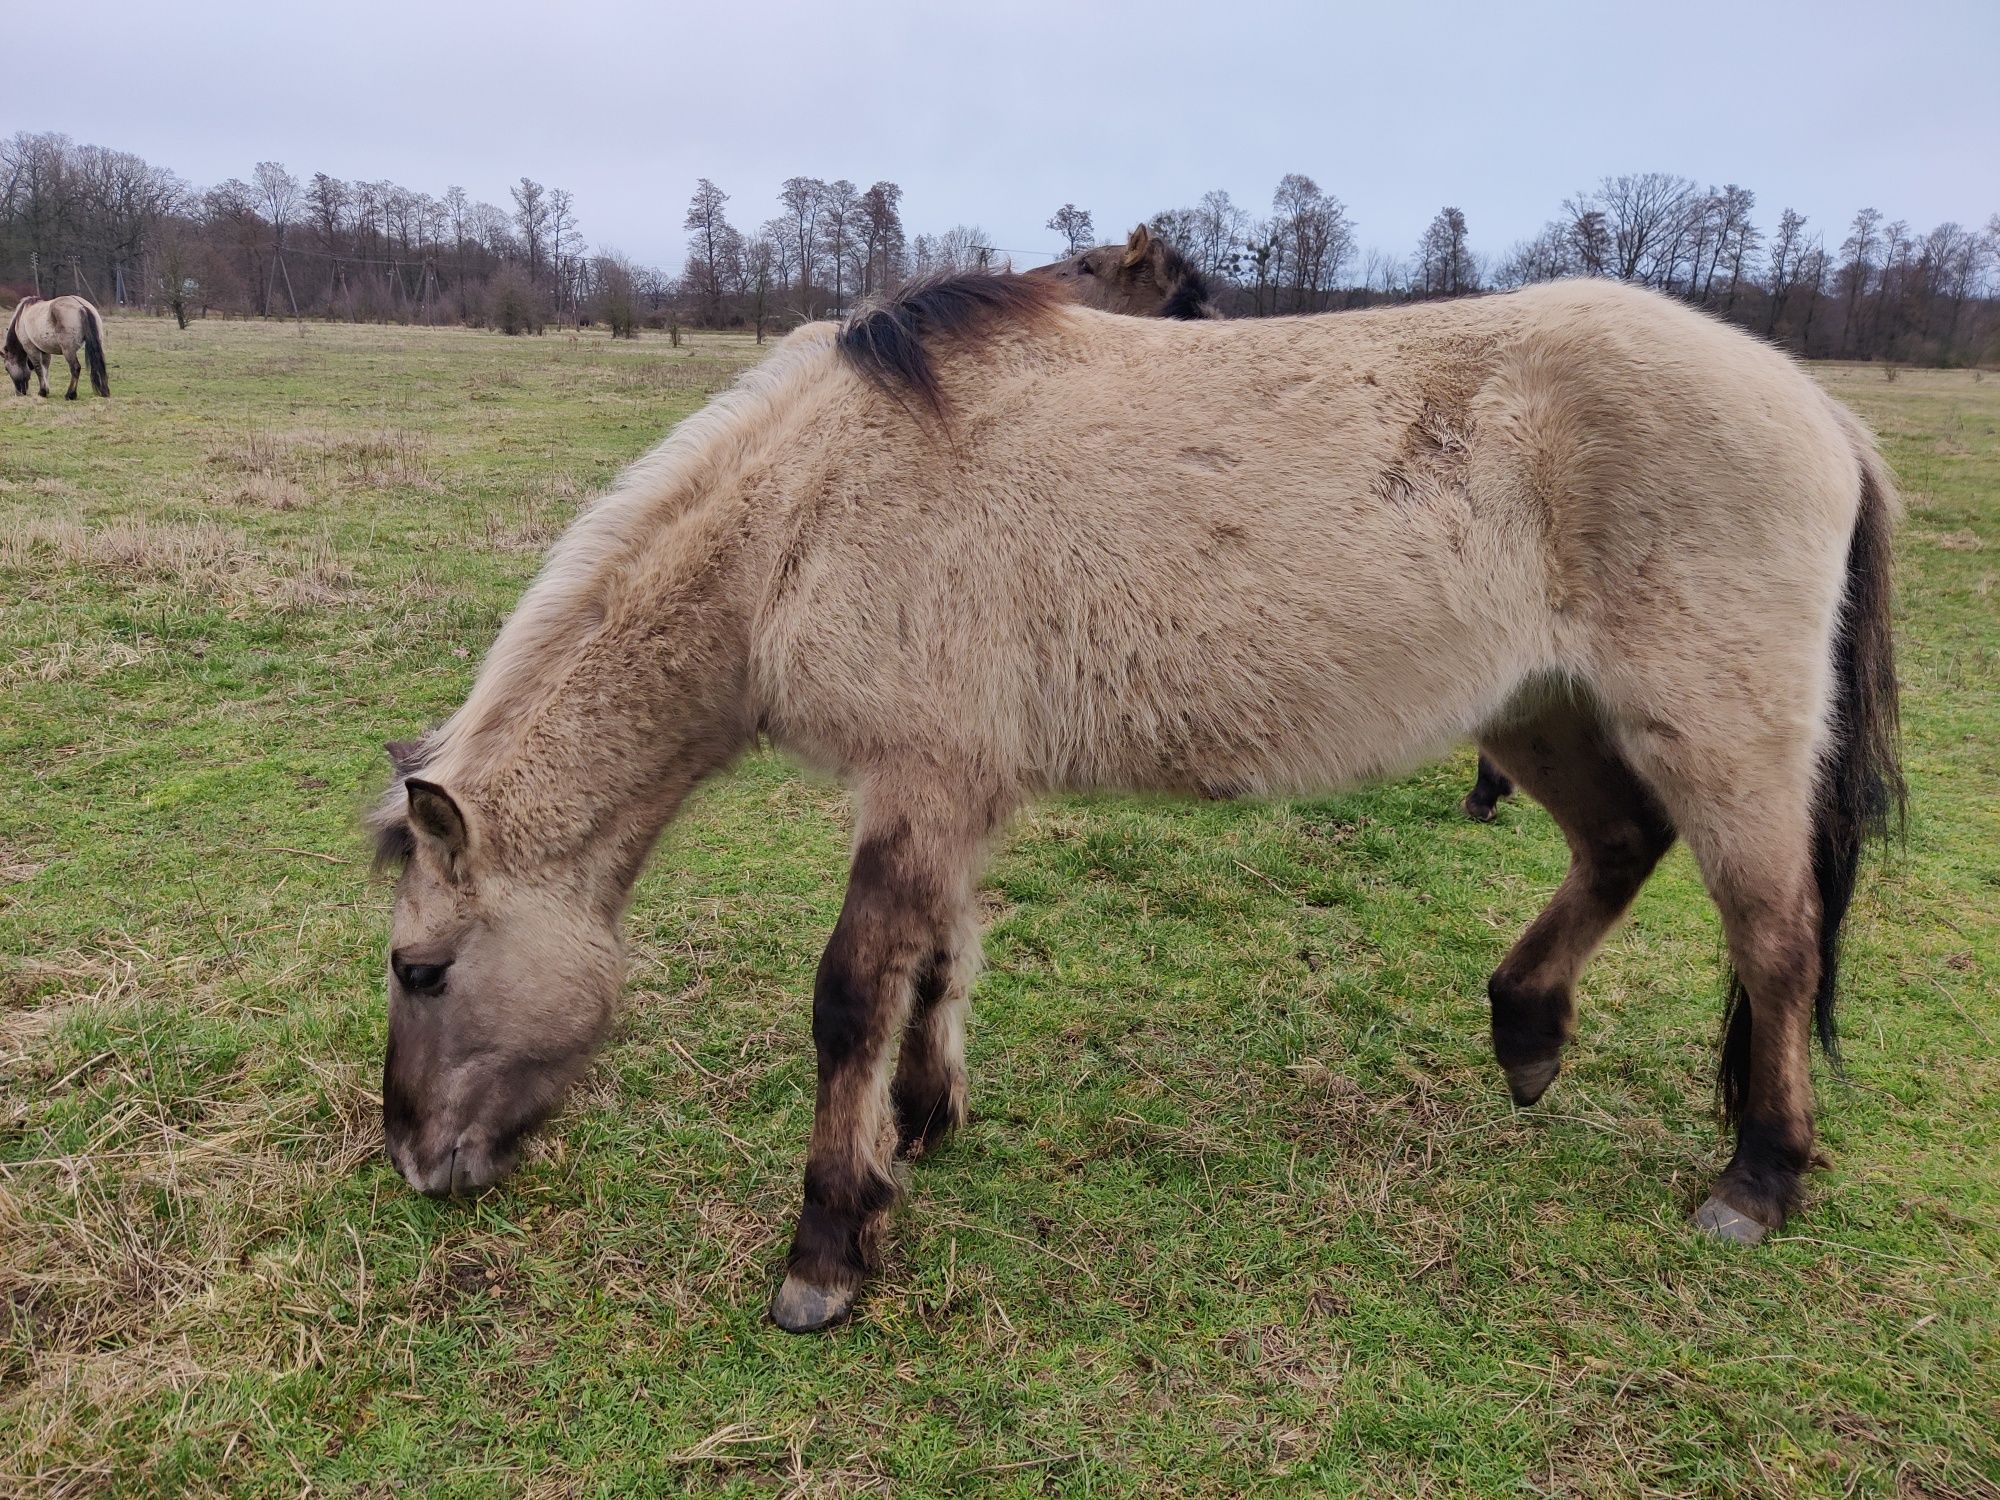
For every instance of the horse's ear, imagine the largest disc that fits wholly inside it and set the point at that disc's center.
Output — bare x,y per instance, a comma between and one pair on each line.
1137,246
435,816
405,755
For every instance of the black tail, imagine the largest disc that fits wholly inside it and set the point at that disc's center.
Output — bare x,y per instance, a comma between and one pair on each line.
1861,790
93,352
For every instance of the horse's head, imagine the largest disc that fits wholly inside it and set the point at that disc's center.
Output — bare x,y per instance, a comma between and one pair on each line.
14,355
501,984
1144,277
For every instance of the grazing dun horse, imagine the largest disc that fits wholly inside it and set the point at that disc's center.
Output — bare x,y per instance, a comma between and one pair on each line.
981,544
40,329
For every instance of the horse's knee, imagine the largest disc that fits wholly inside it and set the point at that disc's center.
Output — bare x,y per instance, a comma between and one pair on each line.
1623,854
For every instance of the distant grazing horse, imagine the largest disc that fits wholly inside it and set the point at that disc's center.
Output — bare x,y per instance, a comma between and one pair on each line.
62,325
1145,277
981,544
1148,278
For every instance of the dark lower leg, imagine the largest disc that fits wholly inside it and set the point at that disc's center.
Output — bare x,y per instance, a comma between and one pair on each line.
1616,834
1492,785
894,921
929,1088
1771,943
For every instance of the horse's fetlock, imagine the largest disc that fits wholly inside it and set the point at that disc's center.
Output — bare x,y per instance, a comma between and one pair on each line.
928,1110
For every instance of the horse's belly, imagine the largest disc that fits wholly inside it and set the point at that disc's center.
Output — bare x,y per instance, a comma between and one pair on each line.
1282,677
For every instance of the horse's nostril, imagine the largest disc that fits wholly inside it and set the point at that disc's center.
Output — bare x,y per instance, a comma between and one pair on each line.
418,979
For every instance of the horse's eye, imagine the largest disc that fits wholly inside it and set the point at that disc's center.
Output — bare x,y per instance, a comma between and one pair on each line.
418,979
1083,268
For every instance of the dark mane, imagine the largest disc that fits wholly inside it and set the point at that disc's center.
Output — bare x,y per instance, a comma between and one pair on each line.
1188,293
888,343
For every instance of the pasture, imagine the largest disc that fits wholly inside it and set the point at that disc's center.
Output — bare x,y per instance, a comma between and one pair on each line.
1242,1206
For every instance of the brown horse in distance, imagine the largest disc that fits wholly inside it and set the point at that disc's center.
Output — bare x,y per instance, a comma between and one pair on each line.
1145,277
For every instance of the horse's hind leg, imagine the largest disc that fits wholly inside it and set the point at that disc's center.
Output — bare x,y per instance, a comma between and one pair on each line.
906,897
75,370
1746,812
1616,832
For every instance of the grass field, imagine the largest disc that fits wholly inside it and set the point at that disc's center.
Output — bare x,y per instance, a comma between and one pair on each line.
1243,1207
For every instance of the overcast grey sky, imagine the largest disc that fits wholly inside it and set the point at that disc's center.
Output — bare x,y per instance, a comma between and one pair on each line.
995,115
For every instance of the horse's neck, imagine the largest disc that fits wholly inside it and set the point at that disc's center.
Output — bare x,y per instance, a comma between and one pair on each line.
611,702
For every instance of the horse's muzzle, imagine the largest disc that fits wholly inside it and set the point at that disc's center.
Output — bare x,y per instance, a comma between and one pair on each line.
467,1168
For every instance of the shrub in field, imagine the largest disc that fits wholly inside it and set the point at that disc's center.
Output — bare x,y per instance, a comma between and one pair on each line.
515,305
617,299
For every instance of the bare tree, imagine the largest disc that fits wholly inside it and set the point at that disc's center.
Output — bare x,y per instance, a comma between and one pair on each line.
1648,217
784,254
178,261
531,217
1857,253
1740,239
963,247
1314,237
839,216
705,220
881,236
1444,263
1219,227
1787,250
1814,267
761,263
615,294
1074,225
565,248
277,196
801,197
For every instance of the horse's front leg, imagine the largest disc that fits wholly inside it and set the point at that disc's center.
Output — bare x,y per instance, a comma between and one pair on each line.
42,375
906,894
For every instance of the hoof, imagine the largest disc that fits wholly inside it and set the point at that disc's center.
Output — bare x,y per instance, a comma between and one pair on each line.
1725,1223
801,1307
1477,810
1528,1081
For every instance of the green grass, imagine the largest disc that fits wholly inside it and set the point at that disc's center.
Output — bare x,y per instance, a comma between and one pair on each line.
1242,1207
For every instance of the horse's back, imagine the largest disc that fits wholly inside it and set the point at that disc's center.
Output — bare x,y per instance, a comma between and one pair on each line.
1288,553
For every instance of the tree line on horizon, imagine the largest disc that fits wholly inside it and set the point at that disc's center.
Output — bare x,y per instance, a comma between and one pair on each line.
130,234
